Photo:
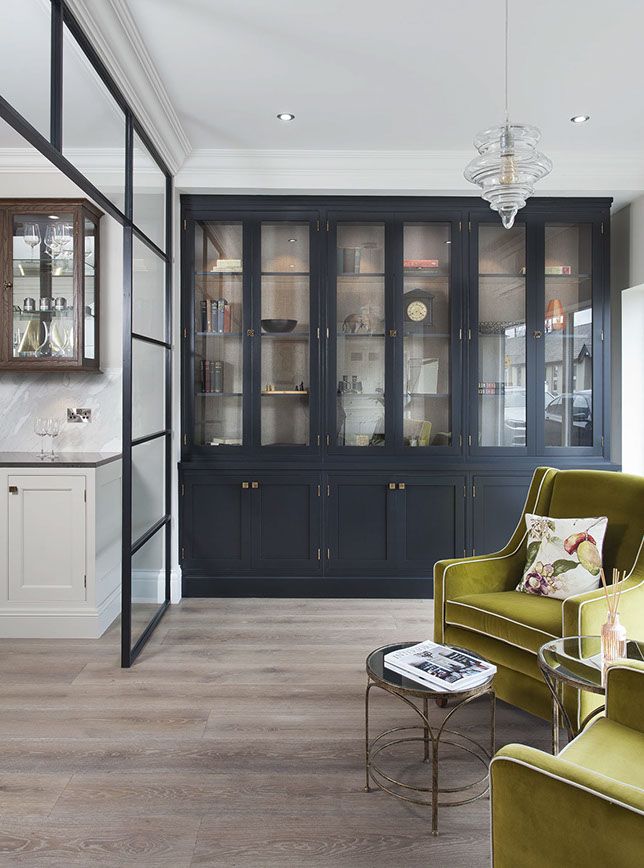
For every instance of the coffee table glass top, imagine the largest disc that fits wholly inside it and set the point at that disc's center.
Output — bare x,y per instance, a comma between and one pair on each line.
577,660
377,671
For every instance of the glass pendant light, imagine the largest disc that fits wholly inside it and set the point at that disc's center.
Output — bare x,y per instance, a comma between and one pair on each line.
509,164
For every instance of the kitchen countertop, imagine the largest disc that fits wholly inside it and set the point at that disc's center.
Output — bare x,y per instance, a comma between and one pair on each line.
62,459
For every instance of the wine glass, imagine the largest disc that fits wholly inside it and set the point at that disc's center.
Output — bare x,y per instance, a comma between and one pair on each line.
53,429
52,240
31,236
40,429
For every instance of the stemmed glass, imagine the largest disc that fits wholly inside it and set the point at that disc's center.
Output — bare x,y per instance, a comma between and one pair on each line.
40,429
53,429
31,236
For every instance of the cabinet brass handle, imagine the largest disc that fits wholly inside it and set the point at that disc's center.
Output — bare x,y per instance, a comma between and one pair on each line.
401,486
393,333
250,333
536,334
392,486
245,484
254,485
13,489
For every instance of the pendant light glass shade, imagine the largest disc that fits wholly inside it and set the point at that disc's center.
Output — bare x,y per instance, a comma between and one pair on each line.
508,167
554,315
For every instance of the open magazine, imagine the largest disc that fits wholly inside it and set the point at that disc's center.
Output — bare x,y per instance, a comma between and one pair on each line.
439,666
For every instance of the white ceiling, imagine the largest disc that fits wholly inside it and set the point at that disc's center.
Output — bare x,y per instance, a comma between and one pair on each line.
411,74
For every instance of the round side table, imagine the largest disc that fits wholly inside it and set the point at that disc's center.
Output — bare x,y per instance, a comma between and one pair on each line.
431,736
576,661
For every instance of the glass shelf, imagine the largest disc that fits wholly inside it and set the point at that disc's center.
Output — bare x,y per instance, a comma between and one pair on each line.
219,334
285,273
219,394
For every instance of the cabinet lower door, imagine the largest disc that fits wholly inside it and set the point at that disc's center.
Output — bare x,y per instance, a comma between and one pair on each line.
216,522
286,524
432,521
496,510
360,525
46,538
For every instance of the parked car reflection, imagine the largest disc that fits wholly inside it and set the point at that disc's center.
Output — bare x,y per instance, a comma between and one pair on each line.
568,420
514,413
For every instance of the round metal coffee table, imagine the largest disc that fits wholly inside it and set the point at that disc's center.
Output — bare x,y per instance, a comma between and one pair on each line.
431,736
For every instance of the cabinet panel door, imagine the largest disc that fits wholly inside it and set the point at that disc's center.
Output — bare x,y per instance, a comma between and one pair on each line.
46,538
432,514
216,525
286,524
360,529
496,510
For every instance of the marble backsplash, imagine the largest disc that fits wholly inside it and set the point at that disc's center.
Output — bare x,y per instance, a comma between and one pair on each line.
25,396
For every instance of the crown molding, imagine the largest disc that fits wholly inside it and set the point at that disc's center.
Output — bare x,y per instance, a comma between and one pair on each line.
113,33
420,172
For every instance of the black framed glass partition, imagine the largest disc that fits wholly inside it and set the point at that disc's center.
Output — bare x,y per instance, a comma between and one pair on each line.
57,94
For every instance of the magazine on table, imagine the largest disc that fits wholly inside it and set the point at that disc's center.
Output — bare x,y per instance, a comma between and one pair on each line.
439,666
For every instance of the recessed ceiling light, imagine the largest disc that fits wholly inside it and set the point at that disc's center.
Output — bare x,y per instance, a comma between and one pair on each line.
53,216
285,116
580,119
292,240
448,242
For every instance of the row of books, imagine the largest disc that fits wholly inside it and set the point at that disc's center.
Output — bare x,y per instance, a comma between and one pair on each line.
216,316
212,376
439,666
491,388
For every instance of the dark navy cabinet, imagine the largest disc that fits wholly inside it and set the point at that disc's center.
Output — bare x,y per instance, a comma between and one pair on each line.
369,382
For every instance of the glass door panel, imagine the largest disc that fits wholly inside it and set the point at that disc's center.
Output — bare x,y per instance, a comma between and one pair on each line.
501,336
568,335
285,335
426,335
219,342
43,286
89,274
360,335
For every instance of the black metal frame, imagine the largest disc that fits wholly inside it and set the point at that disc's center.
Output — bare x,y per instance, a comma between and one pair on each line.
61,18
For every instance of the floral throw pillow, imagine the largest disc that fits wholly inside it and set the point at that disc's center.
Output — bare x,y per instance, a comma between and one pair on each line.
564,556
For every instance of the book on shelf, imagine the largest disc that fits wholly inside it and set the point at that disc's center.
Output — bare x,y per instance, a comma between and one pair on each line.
227,265
439,667
420,263
554,270
216,316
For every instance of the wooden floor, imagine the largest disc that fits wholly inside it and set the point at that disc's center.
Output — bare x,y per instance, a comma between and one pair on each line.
235,740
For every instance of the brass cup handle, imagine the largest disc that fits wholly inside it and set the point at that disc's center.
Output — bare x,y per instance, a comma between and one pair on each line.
392,486
254,485
245,484
537,334
401,486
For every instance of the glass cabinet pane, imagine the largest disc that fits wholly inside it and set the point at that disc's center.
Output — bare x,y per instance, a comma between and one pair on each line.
568,335
426,335
43,286
360,330
502,336
218,311
89,272
285,334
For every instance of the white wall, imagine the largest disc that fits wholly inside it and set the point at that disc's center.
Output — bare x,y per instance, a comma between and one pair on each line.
632,380
25,395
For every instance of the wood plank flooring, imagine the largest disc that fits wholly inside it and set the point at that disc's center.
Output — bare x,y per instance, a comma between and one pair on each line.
235,740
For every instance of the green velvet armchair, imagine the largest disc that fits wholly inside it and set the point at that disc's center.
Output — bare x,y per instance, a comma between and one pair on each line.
476,606
585,806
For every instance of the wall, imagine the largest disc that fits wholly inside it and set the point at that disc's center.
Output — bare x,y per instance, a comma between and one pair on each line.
632,379
23,396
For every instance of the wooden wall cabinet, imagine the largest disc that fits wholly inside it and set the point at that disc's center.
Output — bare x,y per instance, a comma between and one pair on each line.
50,261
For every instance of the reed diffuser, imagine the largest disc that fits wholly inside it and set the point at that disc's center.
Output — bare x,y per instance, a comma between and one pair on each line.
613,634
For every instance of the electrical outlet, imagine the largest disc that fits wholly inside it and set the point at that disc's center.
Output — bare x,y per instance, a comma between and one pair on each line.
79,414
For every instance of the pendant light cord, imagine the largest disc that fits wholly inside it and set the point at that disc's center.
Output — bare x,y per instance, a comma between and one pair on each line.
507,39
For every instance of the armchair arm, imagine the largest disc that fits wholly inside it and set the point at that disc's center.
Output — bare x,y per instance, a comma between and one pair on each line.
499,571
546,810
584,614
625,694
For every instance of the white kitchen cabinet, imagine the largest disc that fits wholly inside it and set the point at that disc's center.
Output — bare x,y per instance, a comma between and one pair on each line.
60,524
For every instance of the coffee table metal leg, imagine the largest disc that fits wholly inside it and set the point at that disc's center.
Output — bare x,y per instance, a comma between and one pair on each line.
435,786
426,731
556,722
492,696
366,736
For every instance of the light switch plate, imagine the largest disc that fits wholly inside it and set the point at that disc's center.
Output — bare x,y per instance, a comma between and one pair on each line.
79,414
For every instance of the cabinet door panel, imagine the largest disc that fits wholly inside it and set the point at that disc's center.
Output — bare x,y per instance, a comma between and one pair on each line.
497,509
286,524
432,516
360,524
216,529
47,538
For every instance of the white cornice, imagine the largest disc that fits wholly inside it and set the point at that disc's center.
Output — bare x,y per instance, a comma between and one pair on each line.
113,33
431,172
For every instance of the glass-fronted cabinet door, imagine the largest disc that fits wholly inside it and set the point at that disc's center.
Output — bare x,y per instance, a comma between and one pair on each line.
427,323
498,339
568,358
220,361
359,376
51,286
286,335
